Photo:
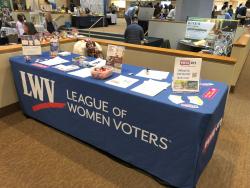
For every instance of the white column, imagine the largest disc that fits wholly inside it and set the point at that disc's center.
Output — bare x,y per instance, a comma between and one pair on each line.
193,8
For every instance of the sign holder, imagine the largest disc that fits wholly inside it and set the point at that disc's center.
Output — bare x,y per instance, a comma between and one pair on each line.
187,75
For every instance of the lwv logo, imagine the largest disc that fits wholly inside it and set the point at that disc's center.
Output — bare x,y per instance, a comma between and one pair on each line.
38,86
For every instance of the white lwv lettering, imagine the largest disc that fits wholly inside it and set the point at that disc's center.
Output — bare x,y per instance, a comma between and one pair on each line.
37,86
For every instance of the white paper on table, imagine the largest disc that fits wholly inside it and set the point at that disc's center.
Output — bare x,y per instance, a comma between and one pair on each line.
155,83
64,53
195,100
176,99
66,67
153,74
83,73
122,81
151,87
54,61
98,62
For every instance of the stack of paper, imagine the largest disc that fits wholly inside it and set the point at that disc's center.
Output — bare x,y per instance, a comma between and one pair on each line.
151,87
122,81
54,61
152,74
66,68
83,73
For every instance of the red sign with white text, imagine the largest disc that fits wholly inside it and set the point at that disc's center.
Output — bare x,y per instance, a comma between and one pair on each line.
210,93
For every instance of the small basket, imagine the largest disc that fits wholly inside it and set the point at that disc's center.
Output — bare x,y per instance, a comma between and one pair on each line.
102,72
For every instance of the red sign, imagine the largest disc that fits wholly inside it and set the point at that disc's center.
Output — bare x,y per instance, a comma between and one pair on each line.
210,93
211,136
185,62
39,65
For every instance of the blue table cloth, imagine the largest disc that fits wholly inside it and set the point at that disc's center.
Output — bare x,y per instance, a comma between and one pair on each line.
170,141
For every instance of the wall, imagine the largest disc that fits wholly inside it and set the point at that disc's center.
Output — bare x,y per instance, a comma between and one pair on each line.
167,30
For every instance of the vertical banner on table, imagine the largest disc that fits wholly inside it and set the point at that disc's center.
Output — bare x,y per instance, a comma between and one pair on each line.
187,75
115,57
31,45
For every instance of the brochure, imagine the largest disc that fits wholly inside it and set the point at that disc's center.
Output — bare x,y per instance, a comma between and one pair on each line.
176,99
195,100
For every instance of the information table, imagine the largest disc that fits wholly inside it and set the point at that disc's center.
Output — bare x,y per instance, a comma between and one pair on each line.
170,141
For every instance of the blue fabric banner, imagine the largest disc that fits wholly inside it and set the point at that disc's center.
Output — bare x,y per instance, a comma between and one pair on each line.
170,141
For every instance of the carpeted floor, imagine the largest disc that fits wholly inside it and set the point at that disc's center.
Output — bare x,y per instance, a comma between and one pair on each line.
36,156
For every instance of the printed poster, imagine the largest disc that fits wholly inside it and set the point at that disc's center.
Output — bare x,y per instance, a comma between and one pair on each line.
115,57
31,45
187,75
198,30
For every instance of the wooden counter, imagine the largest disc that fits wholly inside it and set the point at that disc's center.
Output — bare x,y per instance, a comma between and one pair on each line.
243,40
150,49
240,51
18,47
172,52
215,68
166,20
10,48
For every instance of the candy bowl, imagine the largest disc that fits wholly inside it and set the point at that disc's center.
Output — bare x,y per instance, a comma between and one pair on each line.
101,72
